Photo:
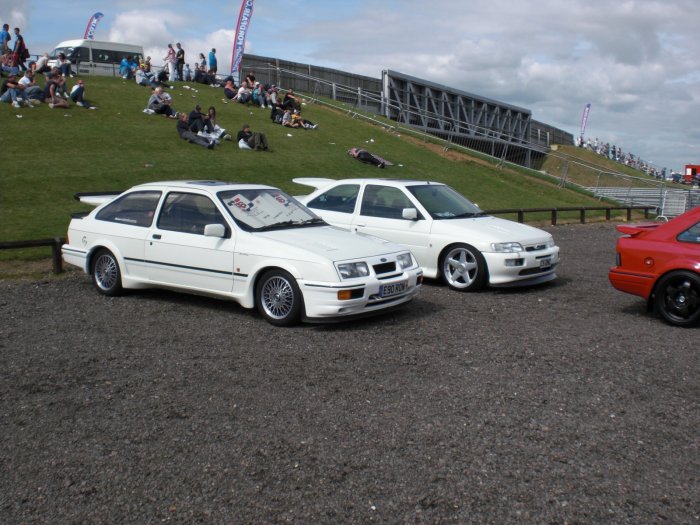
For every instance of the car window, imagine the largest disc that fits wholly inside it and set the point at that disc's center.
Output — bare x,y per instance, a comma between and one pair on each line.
81,54
692,234
384,201
188,213
136,209
102,55
442,202
341,198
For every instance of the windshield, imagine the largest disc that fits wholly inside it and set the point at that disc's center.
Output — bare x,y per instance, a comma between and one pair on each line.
267,209
68,51
442,202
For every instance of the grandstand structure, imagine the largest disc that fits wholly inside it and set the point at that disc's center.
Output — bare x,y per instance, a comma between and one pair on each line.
496,128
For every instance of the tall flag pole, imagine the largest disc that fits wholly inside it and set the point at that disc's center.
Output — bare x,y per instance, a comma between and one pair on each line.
584,119
239,42
91,26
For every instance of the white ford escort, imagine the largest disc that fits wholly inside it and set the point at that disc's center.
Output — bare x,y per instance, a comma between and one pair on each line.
449,235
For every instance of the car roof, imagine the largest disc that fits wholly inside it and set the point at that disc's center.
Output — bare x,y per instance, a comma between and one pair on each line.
211,186
391,182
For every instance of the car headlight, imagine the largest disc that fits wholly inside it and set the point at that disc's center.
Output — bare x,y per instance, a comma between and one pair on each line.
353,270
405,260
507,247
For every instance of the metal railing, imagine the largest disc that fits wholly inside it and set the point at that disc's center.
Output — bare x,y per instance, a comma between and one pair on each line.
56,242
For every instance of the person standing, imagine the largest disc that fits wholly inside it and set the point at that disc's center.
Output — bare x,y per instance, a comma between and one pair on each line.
180,55
19,52
5,39
171,61
212,61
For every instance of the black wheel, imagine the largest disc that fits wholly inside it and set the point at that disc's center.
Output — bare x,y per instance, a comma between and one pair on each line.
463,268
677,298
106,274
278,298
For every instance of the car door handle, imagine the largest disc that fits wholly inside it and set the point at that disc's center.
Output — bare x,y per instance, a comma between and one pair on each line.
156,235
360,225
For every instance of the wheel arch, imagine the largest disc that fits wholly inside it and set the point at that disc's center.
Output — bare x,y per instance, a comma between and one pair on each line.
448,246
654,289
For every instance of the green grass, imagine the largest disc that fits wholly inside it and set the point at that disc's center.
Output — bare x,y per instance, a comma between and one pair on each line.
49,155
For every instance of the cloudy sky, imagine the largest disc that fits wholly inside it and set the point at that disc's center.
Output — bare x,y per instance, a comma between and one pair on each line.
637,62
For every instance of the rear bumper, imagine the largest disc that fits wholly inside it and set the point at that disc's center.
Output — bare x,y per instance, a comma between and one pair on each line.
630,282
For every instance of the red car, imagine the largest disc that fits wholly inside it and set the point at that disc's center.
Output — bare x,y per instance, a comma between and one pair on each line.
661,263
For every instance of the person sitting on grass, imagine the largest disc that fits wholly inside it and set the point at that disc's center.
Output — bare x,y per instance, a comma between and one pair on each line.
34,93
64,65
77,95
248,139
219,132
160,104
299,122
145,78
52,92
12,91
230,90
183,129
205,126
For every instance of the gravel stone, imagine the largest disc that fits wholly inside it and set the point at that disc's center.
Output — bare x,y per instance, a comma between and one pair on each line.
563,403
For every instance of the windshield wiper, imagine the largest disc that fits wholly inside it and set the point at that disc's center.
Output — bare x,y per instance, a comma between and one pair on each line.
468,215
285,224
309,222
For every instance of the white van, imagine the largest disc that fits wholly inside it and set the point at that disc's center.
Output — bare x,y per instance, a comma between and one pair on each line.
92,57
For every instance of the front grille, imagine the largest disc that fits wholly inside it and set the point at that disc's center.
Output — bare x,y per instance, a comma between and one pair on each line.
384,268
536,247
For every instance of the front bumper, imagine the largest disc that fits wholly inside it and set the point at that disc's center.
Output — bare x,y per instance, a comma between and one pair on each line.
322,303
522,268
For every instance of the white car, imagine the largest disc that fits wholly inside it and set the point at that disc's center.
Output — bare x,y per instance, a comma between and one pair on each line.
249,243
449,235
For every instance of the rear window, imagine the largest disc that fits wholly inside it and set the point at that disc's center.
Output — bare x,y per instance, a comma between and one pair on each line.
135,209
692,234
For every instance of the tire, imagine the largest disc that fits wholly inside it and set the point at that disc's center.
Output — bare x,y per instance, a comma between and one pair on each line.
106,275
463,268
677,298
278,298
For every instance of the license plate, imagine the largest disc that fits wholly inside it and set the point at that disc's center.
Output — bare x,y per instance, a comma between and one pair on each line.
388,290
545,263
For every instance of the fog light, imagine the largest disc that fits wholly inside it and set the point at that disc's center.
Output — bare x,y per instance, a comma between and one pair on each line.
514,262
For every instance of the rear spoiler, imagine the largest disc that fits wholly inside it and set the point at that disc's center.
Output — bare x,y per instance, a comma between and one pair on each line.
635,229
96,198
316,182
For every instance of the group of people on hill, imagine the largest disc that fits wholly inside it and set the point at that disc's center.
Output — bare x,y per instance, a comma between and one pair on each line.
613,152
25,92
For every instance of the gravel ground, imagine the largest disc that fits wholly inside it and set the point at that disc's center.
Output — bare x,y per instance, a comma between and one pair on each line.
565,403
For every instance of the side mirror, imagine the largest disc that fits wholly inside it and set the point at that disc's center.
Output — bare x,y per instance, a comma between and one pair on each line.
410,214
214,230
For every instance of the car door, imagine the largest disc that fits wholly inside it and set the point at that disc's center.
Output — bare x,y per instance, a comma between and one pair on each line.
337,205
178,252
380,214
126,222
